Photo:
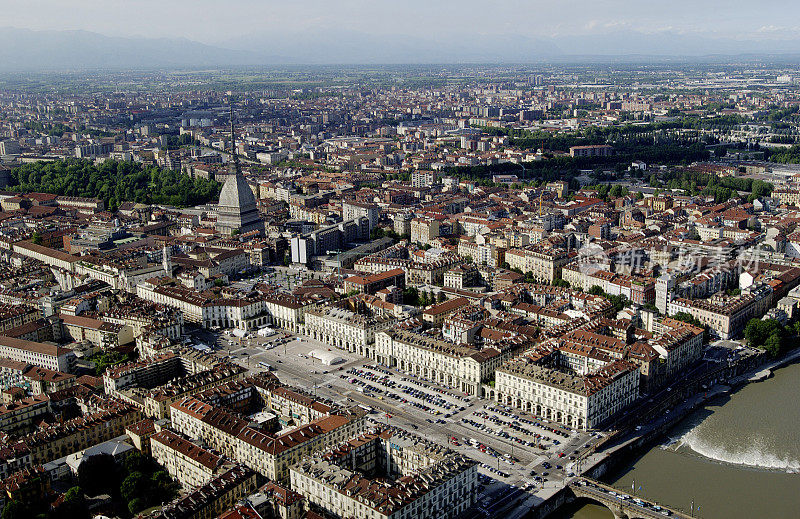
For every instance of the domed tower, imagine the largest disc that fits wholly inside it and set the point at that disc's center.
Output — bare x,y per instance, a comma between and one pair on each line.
237,209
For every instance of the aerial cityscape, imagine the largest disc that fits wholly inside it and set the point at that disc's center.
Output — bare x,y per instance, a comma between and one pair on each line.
333,277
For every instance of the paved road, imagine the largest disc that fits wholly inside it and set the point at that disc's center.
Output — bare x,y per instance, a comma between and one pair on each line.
507,480
311,375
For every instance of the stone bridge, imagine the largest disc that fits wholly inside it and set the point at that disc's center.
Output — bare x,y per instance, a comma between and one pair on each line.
620,504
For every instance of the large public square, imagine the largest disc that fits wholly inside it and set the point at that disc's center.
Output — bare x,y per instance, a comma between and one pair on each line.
522,457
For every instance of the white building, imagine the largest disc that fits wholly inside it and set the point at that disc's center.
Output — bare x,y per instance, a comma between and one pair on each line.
40,354
455,365
191,465
352,209
581,401
346,328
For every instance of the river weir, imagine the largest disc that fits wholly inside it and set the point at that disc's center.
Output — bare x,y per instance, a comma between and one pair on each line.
737,456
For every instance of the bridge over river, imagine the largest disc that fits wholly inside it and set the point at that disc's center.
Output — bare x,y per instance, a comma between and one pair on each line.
622,505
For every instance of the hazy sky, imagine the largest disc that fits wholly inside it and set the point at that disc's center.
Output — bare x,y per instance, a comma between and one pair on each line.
214,21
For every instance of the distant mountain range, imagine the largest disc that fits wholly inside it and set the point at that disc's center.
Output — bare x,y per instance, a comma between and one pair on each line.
23,49
325,47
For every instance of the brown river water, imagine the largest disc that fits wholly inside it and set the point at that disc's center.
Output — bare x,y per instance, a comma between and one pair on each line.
736,457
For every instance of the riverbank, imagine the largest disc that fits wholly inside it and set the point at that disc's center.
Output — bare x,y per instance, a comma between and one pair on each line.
612,459
764,372
739,445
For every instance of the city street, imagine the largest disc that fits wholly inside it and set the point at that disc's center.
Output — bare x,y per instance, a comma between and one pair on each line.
604,242
515,450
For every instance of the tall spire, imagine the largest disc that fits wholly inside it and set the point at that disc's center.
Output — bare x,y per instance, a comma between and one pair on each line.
237,210
235,156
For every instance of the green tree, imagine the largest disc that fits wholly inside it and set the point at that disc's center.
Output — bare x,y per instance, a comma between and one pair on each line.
651,307
773,345
758,331
162,487
411,296
686,317
36,238
768,335
109,358
619,301
136,505
16,510
132,486
114,182
73,506
423,299
137,462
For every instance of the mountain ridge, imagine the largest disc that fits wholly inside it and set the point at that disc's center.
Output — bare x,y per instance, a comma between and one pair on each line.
26,50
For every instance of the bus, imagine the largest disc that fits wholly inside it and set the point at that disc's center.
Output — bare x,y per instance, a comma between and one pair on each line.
265,366
366,408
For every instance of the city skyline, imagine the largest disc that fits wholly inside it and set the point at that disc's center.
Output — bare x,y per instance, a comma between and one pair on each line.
384,260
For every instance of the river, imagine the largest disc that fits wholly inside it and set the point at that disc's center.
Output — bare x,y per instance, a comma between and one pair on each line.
736,457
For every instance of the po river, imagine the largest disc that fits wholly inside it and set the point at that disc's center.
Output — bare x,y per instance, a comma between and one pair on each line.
736,457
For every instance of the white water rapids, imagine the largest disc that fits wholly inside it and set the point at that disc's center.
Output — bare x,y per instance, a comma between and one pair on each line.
755,454
758,426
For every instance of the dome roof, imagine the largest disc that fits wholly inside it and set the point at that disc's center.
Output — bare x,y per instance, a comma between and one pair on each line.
236,193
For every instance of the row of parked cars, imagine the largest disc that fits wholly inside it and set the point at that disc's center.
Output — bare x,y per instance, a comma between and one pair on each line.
509,413
511,424
368,389
419,383
426,397
493,470
501,433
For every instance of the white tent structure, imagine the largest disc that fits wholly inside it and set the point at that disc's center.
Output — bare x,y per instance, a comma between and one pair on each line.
326,357
266,331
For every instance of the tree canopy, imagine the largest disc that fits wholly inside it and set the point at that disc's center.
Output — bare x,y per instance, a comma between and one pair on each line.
114,182
721,188
139,481
766,334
